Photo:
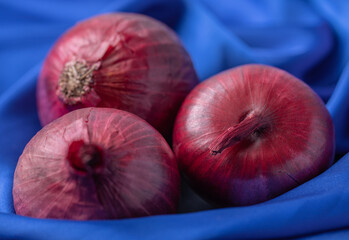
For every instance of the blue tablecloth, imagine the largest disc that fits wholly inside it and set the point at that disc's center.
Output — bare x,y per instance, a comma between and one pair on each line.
310,39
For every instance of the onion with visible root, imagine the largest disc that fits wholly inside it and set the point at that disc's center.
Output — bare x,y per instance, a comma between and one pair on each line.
118,60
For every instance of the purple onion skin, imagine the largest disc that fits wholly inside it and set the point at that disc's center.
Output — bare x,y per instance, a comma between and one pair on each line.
125,169
251,133
139,66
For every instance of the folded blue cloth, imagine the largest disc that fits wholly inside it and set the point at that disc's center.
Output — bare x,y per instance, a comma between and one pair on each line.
310,39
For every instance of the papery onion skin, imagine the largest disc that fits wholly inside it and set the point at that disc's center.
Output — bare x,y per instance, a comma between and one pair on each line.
295,144
137,174
136,64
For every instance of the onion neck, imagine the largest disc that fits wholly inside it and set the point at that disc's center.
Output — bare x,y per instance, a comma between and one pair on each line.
253,125
75,81
85,158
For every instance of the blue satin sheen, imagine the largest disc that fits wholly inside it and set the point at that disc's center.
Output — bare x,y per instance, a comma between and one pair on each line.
309,39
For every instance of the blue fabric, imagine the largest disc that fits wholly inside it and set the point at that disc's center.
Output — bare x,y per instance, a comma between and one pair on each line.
310,39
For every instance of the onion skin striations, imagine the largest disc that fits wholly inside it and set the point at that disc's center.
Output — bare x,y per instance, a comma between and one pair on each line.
251,133
119,60
96,163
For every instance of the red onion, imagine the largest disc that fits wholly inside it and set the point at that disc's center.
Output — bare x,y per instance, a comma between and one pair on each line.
96,163
252,133
120,60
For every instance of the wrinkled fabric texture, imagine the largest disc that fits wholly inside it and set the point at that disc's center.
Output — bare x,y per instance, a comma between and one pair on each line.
309,39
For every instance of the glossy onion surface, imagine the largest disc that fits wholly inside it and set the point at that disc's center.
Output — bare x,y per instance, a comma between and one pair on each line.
252,133
119,60
96,163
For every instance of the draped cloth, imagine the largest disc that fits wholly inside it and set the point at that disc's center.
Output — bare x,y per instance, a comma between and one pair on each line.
309,39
